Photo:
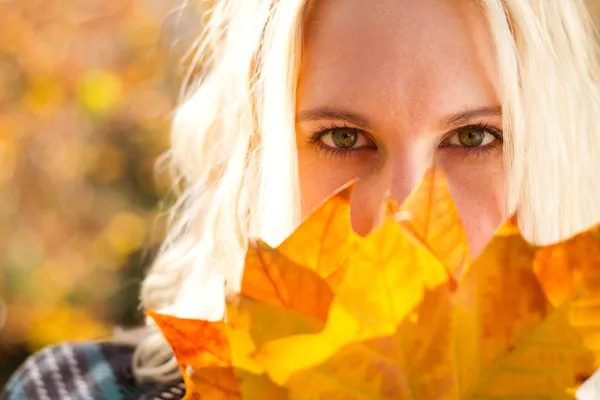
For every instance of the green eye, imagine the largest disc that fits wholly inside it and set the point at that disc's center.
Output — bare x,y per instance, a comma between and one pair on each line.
344,138
471,137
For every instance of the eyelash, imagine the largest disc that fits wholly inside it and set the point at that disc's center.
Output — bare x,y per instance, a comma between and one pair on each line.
475,152
478,151
315,140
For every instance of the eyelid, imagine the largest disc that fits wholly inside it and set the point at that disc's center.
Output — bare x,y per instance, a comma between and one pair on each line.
327,129
497,133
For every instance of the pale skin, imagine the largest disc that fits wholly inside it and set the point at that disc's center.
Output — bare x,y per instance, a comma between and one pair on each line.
383,85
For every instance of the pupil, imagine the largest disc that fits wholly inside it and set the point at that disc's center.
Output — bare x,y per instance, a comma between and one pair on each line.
471,138
344,138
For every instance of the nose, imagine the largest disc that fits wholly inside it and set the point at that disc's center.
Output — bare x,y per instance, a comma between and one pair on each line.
402,170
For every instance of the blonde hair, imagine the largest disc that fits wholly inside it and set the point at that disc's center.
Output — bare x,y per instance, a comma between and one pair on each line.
233,152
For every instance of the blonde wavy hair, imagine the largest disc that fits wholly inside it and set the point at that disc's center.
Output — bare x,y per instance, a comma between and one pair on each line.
233,154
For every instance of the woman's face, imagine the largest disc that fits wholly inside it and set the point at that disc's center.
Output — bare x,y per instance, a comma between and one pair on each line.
385,84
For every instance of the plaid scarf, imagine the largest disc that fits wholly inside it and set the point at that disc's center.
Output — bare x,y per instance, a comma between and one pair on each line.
84,371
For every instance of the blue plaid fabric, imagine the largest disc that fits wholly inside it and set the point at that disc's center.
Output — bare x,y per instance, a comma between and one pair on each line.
84,371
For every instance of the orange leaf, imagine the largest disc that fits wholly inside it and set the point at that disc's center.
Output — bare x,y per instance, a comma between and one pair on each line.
201,346
272,278
204,355
196,343
495,336
433,218
569,272
380,317
324,241
386,276
415,362
563,268
512,341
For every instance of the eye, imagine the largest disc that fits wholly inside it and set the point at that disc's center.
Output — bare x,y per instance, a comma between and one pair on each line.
472,136
343,138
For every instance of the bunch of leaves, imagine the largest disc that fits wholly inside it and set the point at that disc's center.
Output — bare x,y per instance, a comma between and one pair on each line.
402,313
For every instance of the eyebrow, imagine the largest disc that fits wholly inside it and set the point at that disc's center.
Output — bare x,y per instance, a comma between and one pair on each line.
461,119
317,114
450,122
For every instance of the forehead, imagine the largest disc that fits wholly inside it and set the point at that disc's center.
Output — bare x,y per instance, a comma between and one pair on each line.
411,56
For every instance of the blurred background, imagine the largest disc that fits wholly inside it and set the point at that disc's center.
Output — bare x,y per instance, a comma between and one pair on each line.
87,88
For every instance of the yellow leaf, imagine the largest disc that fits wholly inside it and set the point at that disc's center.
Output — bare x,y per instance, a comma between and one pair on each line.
569,272
324,241
508,333
406,316
433,218
368,303
204,355
272,278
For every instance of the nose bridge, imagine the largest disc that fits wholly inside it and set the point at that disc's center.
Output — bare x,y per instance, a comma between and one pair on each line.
406,169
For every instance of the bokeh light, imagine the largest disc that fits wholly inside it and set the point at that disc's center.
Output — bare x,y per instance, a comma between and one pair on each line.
87,89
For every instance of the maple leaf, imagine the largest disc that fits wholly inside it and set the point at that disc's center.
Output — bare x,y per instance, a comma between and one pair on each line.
204,355
569,272
401,313
514,342
323,242
204,347
433,218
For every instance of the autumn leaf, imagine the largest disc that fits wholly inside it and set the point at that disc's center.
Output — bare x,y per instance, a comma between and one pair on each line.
202,346
512,341
279,297
496,336
407,316
197,343
204,355
569,266
569,272
286,290
433,218
272,278
367,303
324,242
396,366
